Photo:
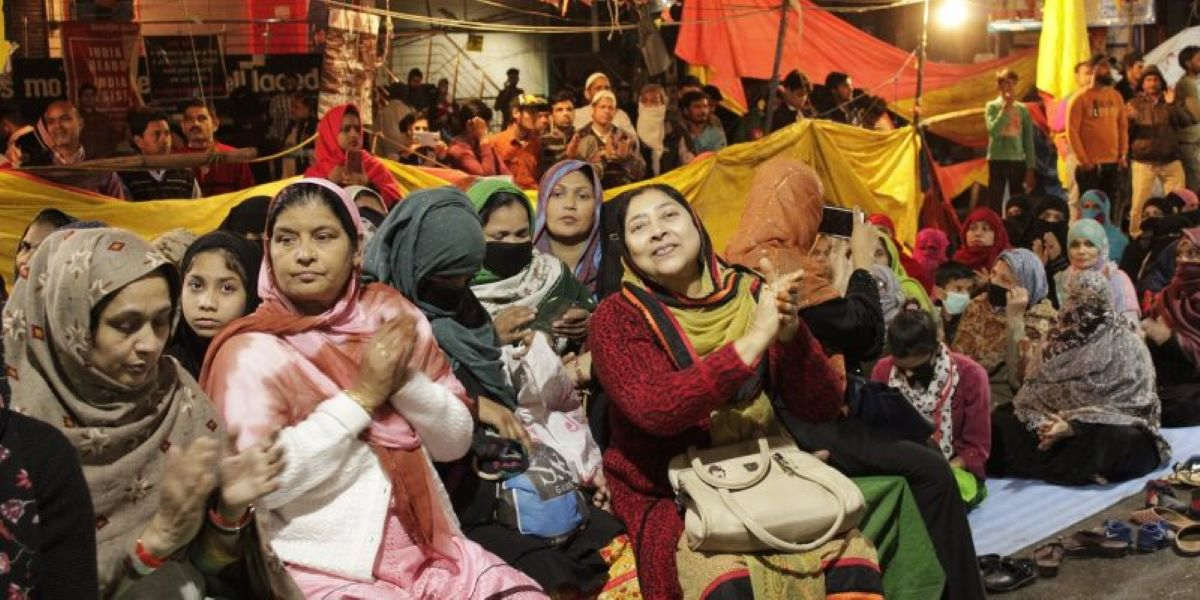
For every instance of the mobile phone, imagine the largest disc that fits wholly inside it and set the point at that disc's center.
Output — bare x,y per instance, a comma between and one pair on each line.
426,139
354,161
551,311
839,221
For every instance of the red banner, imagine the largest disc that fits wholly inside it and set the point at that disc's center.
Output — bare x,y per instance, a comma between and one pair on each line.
105,56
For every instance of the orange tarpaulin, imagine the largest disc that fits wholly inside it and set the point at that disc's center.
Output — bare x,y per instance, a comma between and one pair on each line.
732,40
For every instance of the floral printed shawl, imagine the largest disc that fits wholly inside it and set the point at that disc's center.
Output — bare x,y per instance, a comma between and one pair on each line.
122,433
1096,368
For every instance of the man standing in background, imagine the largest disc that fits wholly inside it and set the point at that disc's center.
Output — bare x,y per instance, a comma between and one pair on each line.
1010,152
1098,130
1187,94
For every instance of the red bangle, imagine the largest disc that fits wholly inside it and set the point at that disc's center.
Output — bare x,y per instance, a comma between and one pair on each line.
148,560
214,517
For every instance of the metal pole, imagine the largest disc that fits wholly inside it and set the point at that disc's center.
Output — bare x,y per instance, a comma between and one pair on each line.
921,57
773,97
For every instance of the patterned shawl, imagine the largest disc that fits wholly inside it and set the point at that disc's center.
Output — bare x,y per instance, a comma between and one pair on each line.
934,400
122,433
1095,368
780,222
983,331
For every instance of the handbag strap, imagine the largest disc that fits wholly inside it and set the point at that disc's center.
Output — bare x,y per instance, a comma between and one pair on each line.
768,538
764,466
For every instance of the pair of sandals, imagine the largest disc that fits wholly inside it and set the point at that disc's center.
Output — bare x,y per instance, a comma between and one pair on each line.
1186,530
1006,574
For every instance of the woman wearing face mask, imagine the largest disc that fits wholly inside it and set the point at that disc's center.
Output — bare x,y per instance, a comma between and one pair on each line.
1052,209
1087,250
1095,205
1048,240
985,238
658,137
84,339
707,391
349,378
430,248
517,282
949,389
341,158
1173,335
1089,412
839,301
1002,326
220,284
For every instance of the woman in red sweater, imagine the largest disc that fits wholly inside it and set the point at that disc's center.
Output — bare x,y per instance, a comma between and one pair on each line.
685,353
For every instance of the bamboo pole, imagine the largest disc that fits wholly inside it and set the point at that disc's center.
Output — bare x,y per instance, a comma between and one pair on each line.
142,162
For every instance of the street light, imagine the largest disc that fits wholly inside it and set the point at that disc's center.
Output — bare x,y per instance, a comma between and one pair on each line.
951,14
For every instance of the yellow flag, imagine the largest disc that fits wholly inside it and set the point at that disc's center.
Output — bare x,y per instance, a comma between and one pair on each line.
1063,44
6,47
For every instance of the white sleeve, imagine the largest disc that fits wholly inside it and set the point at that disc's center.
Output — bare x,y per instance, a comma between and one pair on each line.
439,416
317,447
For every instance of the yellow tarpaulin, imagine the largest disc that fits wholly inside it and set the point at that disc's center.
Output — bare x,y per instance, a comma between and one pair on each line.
6,47
876,171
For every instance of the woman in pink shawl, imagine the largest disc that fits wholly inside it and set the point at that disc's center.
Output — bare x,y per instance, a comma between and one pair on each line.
932,245
351,381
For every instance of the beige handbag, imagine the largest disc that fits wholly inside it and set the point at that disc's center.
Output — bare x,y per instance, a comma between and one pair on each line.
762,495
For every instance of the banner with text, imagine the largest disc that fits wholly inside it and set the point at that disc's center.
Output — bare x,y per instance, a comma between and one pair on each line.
348,74
104,55
182,67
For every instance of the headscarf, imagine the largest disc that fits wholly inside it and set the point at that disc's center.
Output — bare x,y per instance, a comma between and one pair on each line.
437,232
721,315
932,245
173,244
982,258
1094,232
588,269
479,194
1052,203
1101,214
330,155
912,267
1016,226
1096,368
187,347
780,222
1179,303
891,297
1187,198
333,343
248,218
121,432
1169,204
1030,272
909,286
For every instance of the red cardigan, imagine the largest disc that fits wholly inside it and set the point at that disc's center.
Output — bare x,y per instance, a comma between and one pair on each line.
658,411
970,410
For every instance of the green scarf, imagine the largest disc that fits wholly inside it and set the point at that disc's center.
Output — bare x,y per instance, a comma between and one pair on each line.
479,194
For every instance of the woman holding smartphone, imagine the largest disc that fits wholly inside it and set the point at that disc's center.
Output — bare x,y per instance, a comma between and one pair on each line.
340,156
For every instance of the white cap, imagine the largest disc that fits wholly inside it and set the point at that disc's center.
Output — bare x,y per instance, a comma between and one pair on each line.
592,79
602,94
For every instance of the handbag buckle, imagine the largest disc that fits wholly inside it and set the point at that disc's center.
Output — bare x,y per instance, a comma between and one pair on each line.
784,464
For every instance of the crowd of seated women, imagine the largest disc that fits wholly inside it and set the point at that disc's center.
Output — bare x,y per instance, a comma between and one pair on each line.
345,394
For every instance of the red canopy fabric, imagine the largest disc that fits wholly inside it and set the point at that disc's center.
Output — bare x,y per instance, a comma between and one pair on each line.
738,40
